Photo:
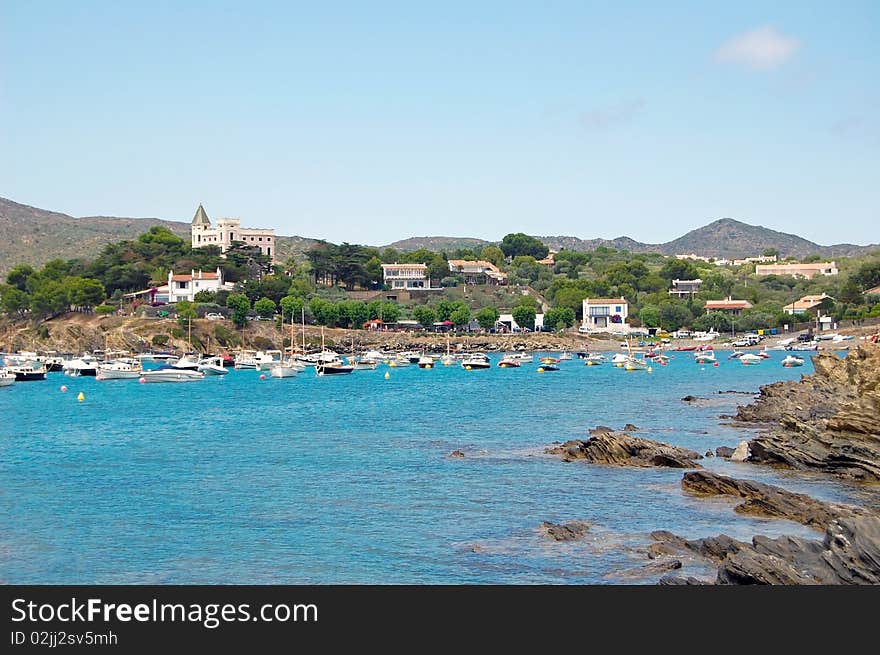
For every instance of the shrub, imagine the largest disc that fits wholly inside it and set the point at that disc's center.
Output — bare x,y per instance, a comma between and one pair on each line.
104,310
226,337
160,339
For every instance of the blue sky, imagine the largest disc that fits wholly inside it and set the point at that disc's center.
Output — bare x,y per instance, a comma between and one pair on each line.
370,122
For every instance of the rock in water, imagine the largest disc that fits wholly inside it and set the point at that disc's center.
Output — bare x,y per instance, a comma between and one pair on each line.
565,531
829,420
619,449
741,452
723,451
768,500
456,454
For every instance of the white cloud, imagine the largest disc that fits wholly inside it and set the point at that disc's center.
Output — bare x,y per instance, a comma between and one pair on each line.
600,119
761,48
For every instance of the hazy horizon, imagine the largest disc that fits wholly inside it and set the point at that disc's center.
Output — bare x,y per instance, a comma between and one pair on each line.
371,124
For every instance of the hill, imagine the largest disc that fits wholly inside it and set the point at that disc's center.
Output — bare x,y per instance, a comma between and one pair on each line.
725,237
438,244
29,235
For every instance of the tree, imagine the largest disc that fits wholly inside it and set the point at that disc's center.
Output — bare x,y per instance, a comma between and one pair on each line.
354,313
18,276
492,254
850,293
424,315
444,309
678,269
186,311
674,316
558,318
487,317
770,252
517,244
14,301
461,315
867,277
524,316
240,306
84,293
291,308
650,316
265,307
207,297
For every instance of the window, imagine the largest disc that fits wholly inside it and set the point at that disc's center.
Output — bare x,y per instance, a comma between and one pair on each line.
260,238
617,309
181,285
268,252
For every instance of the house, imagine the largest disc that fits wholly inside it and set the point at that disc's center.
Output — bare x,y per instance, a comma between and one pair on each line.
406,276
185,287
605,315
694,257
765,259
685,288
505,323
807,271
729,306
477,272
808,304
228,230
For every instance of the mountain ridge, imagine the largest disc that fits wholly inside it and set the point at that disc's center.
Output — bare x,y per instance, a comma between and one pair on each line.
30,235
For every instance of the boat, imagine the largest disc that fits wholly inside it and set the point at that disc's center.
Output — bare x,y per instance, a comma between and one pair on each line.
188,362
635,364
594,359
124,368
7,379
792,360
548,360
31,372
81,366
544,368
411,355
363,363
706,357
685,348
212,366
522,358
475,361
246,360
564,355
750,359
661,359
804,345
329,363
160,358
426,361
398,361
170,374
287,369
736,354
509,362
619,359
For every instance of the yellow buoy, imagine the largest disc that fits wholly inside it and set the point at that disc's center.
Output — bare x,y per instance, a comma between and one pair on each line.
467,368
428,366
540,369
391,364
81,397
387,375
650,369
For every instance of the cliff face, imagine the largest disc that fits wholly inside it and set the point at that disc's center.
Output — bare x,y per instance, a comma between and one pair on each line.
829,420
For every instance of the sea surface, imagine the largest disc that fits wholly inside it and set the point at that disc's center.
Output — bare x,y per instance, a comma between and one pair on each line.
349,479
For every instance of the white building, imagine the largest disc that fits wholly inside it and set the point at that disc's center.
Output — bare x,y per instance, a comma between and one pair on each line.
506,321
406,276
228,230
605,315
685,288
808,271
185,287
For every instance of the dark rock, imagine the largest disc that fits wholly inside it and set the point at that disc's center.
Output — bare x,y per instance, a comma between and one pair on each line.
723,451
691,399
621,449
600,429
456,453
629,427
829,420
709,453
565,531
671,580
767,500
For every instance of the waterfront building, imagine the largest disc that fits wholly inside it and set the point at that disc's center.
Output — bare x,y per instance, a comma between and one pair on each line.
812,304
807,271
729,306
185,287
605,315
477,272
406,276
685,288
227,231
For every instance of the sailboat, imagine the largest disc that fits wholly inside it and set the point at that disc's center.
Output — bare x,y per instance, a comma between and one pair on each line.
290,367
447,359
632,362
330,365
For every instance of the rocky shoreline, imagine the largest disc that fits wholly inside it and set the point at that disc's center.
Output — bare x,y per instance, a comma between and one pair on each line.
828,421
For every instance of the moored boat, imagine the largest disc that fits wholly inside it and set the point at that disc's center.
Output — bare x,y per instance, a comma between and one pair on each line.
475,361
7,379
509,362
750,359
119,369
32,372
212,366
792,360
594,359
169,374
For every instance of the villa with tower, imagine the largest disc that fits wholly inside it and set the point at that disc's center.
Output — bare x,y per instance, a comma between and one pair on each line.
228,230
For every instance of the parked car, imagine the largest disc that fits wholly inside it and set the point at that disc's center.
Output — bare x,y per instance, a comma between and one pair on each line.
214,316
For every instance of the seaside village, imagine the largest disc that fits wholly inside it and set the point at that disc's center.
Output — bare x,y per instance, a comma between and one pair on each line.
517,304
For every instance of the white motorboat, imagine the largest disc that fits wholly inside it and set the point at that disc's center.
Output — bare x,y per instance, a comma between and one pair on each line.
426,361
120,369
7,379
792,360
188,362
706,357
172,375
287,369
398,361
476,361
246,360
32,372
81,366
363,363
748,359
619,359
635,364
564,355
212,366
594,359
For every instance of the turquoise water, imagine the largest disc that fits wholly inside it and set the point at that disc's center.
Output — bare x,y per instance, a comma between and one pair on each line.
348,479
